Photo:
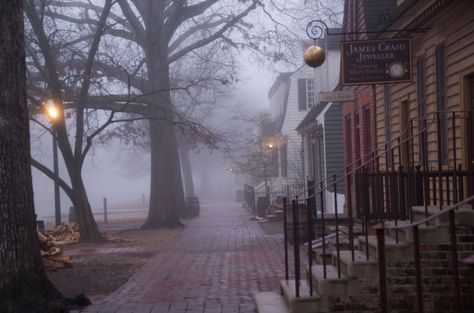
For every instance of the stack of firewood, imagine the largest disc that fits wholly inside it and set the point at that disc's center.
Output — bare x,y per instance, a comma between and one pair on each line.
50,245
64,234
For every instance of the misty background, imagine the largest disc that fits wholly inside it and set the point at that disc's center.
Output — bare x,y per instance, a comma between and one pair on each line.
120,172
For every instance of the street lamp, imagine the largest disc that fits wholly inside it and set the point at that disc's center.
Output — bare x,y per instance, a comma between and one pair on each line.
52,113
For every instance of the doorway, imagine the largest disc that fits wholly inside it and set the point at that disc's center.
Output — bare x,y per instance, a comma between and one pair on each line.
468,85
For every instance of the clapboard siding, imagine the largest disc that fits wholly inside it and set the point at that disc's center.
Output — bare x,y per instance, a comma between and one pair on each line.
455,27
293,117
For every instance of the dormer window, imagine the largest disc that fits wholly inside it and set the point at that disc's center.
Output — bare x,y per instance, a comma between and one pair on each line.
306,98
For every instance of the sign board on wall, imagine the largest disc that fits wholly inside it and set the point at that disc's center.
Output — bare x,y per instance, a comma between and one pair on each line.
337,96
376,61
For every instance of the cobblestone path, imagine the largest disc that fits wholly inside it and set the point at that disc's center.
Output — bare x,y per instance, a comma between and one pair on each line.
216,265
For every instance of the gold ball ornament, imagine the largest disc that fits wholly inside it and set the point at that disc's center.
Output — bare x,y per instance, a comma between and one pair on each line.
314,56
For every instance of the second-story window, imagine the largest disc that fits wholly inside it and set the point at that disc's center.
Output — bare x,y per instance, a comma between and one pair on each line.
367,133
306,97
357,136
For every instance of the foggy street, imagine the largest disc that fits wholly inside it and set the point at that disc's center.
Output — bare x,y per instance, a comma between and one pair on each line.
217,264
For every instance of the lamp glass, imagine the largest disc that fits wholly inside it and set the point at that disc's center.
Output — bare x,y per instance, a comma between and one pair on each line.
51,110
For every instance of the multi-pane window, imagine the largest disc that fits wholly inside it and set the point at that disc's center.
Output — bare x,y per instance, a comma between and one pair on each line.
306,94
309,93
357,136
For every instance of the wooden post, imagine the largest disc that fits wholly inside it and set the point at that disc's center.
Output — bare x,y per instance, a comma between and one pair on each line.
105,210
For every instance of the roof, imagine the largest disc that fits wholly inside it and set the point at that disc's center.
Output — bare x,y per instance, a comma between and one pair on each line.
277,124
282,77
311,116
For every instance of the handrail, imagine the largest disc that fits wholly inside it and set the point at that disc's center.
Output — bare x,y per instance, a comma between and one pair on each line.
382,195
425,220
397,144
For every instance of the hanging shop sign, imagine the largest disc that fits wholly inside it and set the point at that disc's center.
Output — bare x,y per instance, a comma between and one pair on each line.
376,61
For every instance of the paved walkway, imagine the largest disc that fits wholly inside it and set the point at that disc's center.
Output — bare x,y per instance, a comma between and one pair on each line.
215,266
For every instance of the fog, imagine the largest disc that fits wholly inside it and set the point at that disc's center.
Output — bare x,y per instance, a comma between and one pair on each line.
121,173
218,77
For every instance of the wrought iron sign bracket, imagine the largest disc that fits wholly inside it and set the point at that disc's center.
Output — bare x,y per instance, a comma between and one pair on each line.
316,29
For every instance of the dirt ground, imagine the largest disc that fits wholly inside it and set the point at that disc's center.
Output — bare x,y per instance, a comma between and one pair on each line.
99,269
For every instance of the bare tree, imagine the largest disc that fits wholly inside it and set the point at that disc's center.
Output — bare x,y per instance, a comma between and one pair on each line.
166,31
169,33
62,86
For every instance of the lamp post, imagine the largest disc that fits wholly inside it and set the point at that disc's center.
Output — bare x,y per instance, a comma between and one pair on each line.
53,114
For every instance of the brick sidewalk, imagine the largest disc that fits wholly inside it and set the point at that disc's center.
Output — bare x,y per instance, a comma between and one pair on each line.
216,266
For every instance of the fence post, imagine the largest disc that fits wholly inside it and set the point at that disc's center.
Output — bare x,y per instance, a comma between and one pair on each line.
338,248
296,247
309,216
105,210
349,209
285,235
323,233
380,232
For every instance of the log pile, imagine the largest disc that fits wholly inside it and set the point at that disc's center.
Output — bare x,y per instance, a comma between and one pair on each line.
64,234
50,245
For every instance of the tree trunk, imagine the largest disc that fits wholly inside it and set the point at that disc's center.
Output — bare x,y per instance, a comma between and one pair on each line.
24,286
166,190
186,171
85,219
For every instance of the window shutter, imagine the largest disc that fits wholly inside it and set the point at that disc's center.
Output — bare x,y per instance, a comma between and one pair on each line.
421,87
421,95
441,102
302,94
348,140
440,76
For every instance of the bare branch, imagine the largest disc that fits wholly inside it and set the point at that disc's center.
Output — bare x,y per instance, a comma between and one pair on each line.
87,77
204,41
134,21
178,12
50,174
192,31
